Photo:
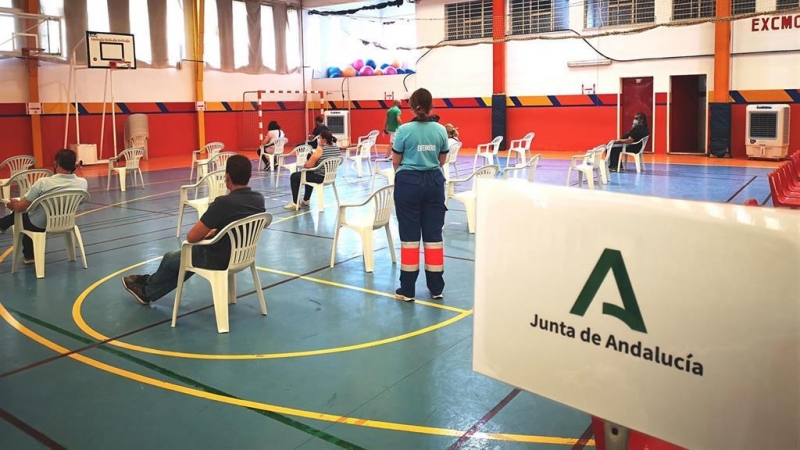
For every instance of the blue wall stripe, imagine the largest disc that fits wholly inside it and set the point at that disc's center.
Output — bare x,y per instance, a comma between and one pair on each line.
227,106
480,101
795,94
515,101
162,107
596,100
356,105
737,97
124,108
448,102
81,109
554,100
281,106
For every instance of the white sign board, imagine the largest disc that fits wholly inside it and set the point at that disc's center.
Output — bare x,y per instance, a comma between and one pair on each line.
200,106
33,109
677,319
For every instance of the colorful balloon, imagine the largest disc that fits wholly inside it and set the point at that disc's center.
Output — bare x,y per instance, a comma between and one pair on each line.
349,71
378,72
370,63
395,63
366,71
385,65
390,71
358,64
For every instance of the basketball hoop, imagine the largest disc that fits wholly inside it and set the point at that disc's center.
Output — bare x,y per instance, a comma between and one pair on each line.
113,65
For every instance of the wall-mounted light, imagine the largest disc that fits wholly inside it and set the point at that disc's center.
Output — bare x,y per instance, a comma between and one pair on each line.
589,63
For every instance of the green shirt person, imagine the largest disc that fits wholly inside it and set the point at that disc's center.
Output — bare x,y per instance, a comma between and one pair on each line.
393,120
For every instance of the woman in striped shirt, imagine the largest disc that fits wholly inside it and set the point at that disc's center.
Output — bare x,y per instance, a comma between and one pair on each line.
325,150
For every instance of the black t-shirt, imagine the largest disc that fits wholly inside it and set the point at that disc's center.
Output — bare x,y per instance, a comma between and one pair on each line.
316,132
221,212
637,133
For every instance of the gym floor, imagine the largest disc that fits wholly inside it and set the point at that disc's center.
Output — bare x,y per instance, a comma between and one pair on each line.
337,363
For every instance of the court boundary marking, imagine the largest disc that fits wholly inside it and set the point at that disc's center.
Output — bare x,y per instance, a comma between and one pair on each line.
77,317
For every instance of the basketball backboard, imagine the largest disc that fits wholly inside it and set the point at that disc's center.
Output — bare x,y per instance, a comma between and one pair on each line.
108,49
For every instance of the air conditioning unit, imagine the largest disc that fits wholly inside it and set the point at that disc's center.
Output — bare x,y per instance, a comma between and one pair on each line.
339,124
767,133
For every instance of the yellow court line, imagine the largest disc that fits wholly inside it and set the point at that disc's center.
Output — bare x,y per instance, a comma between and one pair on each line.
291,217
360,289
79,320
275,408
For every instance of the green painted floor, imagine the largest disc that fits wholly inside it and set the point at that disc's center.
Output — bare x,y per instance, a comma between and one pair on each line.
337,363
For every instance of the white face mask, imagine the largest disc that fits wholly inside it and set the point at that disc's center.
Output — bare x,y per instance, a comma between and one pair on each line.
635,122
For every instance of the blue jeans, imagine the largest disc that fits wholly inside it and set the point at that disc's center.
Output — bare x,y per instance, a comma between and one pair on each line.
165,279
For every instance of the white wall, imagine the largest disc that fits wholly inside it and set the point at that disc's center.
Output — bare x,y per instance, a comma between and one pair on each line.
13,81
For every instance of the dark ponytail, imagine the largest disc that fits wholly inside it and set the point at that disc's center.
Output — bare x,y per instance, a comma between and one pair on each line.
328,136
421,102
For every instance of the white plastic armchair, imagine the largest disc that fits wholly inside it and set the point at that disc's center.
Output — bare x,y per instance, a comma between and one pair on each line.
24,180
638,157
212,185
15,165
132,156
380,205
386,172
362,151
244,235
210,150
530,166
300,153
216,162
60,208
139,140
277,149
520,149
452,160
468,197
588,165
331,166
487,152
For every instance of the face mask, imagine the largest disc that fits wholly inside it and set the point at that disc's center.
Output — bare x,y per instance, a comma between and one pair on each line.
635,122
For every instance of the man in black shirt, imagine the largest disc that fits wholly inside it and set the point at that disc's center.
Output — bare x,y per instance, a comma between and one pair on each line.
318,128
241,202
637,133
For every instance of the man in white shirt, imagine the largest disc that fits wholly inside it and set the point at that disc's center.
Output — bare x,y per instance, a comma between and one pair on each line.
63,179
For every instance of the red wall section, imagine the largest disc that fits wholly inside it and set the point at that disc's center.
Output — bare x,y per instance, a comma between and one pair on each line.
15,131
658,131
575,129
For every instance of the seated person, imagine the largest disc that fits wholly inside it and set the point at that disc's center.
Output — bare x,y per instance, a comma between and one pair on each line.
319,127
268,146
241,202
36,220
636,134
326,150
452,135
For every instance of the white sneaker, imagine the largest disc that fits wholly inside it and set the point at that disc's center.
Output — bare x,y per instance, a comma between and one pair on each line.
290,206
305,203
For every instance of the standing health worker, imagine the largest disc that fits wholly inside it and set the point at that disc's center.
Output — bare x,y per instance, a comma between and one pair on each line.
418,152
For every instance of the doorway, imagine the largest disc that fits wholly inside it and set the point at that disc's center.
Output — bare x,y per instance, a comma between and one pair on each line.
687,114
636,96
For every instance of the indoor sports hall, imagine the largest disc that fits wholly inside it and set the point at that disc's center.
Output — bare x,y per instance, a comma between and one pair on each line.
620,242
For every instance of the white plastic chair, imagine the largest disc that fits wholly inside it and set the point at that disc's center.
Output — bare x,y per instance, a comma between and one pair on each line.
380,205
521,149
468,197
301,153
213,184
362,151
131,157
216,162
25,179
387,172
638,157
210,150
331,166
244,235
60,208
277,149
487,152
139,140
15,165
452,160
591,163
530,166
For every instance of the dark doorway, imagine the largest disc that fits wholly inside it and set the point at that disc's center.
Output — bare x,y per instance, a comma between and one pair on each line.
636,97
687,114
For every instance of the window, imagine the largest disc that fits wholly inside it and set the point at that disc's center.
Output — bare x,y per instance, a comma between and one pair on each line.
211,39
176,37
743,6
693,9
140,29
241,36
268,56
606,13
468,20
292,39
788,4
7,28
97,11
538,16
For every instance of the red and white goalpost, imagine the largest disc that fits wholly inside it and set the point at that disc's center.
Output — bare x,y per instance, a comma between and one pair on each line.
252,124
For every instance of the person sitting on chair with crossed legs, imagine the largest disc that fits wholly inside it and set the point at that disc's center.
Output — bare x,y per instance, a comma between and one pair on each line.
636,134
241,202
326,150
